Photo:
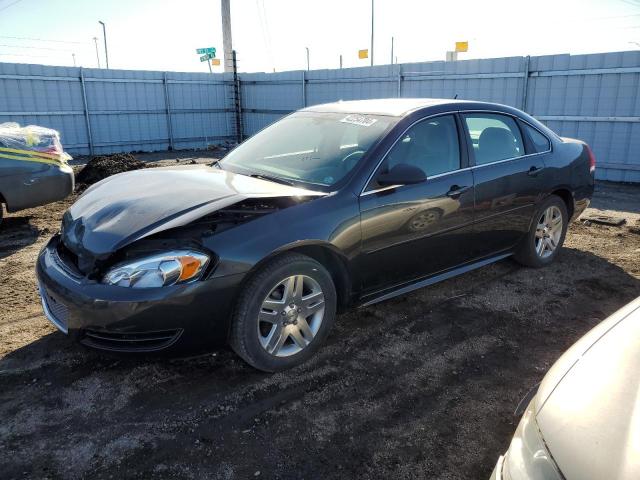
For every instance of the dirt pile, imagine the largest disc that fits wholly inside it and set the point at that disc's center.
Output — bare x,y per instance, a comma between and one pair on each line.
104,166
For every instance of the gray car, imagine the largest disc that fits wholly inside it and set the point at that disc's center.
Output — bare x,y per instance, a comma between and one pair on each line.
33,168
584,421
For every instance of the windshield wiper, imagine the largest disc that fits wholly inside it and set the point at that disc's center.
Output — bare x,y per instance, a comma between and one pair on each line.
270,178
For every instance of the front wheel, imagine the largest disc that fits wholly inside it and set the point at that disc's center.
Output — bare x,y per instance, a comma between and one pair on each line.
284,313
546,235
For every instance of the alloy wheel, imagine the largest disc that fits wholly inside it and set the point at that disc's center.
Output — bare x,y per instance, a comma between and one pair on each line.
290,315
548,231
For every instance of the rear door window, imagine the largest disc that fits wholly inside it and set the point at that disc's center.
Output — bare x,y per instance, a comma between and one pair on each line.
494,137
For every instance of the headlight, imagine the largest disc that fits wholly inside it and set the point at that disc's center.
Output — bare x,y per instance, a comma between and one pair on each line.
527,457
160,270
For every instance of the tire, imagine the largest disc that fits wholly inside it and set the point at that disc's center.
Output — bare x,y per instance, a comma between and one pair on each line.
1,213
549,230
270,307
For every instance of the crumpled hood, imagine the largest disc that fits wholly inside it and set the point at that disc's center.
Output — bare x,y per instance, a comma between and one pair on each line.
126,207
588,405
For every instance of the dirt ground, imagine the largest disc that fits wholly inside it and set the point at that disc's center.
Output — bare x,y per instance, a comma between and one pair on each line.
422,386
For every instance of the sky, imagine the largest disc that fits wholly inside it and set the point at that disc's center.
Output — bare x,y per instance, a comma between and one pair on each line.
272,35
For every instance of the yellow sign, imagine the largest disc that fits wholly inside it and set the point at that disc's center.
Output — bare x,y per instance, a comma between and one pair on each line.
363,53
215,62
462,46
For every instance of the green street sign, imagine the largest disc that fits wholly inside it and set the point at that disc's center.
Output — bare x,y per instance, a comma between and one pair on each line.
202,51
207,57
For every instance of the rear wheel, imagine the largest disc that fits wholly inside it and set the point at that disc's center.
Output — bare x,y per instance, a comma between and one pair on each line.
547,233
1,213
284,313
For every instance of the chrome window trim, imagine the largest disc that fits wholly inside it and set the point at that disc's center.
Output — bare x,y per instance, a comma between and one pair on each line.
384,157
378,190
507,160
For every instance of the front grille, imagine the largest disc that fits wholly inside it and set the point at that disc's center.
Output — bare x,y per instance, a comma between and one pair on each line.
130,342
56,311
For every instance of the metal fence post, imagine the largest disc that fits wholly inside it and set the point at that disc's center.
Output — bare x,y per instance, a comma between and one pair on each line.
168,110
237,93
525,83
304,89
86,111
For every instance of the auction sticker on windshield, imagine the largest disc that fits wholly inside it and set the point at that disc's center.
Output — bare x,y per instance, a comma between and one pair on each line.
357,119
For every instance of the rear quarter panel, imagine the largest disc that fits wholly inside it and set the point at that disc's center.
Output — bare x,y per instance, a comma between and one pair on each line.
568,168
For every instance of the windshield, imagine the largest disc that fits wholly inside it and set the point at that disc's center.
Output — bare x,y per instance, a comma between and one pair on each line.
308,147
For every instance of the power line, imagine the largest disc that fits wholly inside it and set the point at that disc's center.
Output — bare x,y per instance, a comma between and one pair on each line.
265,30
10,5
266,24
41,39
24,55
37,48
633,3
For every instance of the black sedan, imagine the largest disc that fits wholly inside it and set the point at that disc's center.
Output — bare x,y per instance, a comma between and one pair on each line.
338,205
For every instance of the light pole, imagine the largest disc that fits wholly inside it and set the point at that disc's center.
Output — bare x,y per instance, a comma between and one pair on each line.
73,55
372,33
307,48
95,40
104,34
391,50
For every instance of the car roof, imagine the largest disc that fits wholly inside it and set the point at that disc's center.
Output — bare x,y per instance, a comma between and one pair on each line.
396,107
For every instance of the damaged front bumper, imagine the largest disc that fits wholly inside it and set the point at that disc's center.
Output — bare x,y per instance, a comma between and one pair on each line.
134,320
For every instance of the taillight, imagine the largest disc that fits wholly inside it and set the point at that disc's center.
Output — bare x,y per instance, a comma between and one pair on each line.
592,159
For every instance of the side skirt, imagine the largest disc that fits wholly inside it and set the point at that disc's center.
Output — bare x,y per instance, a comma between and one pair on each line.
404,288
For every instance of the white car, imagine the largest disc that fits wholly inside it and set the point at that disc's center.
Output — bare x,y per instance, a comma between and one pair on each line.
584,421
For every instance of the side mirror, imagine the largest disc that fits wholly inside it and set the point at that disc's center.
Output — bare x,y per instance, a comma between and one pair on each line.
402,174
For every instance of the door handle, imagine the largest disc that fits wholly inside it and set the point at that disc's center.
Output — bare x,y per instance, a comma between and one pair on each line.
534,171
455,191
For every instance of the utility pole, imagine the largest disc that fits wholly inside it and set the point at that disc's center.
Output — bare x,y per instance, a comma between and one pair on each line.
73,55
227,44
95,40
307,48
391,50
372,32
104,34
340,60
